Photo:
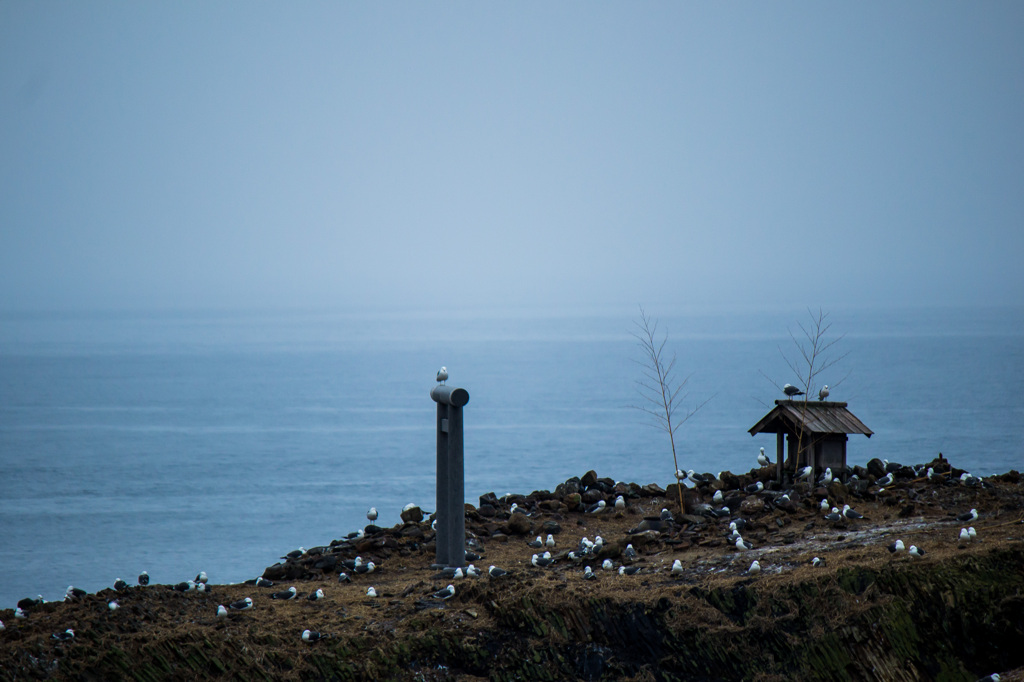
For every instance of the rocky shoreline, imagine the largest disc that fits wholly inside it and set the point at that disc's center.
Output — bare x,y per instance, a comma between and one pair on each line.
859,612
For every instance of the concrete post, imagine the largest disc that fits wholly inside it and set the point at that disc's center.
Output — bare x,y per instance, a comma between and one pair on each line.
451,510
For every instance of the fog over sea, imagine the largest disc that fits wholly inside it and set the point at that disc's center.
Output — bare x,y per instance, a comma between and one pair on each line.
180,442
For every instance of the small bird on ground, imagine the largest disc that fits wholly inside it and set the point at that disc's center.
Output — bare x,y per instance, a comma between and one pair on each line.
372,514
834,516
343,577
754,568
316,596
496,572
620,503
290,593
313,636
897,547
543,560
791,390
629,570
371,592
677,567
666,516
113,605
826,478
967,517
65,636
550,542
241,605
588,573
446,593
222,612
763,460
143,578
472,571
916,552
442,375
823,392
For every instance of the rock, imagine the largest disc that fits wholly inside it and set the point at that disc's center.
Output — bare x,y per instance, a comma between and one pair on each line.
876,468
485,510
588,480
838,492
730,481
752,505
573,501
412,515
652,490
570,487
518,524
551,527
592,495
489,499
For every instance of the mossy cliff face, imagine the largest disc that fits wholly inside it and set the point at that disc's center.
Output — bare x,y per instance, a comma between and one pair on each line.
948,620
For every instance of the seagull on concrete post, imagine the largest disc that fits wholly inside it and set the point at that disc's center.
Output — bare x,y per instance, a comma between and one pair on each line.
442,375
823,393
791,391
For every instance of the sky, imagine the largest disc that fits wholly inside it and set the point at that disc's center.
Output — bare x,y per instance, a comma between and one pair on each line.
178,155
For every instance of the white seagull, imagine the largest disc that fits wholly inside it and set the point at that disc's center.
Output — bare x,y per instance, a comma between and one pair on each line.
742,545
607,565
916,551
763,460
791,390
620,503
442,375
823,393
496,572
677,567
965,536
550,542
241,605
371,592
372,514
754,568
967,517
897,547
446,593
222,612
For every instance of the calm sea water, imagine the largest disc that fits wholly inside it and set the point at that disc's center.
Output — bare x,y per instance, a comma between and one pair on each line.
183,442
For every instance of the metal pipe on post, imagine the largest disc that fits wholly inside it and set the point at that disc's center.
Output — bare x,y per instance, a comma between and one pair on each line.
450,536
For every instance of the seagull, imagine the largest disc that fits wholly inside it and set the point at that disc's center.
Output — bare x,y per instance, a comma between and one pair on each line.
312,636
738,524
550,542
965,536
973,533
763,460
496,572
120,585
446,593
295,553
629,554
850,513
827,476
316,596
365,568
620,503
897,547
472,571
967,517
442,375
370,592
74,593
791,390
916,551
113,605
666,515
2,626
542,561
143,578
816,562
754,568
607,565
372,514
677,567
805,473
20,612
263,582
823,393
597,508
629,570
222,612
588,573
718,497
290,593
742,545
824,504
343,577
535,543
201,578
681,475
834,516
885,480
755,487
932,476
65,636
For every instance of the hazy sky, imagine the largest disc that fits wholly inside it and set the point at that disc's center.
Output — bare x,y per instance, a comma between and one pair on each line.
214,155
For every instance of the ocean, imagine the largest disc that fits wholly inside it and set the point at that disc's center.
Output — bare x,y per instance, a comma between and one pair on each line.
180,442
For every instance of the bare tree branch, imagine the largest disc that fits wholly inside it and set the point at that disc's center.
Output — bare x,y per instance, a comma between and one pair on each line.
661,390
